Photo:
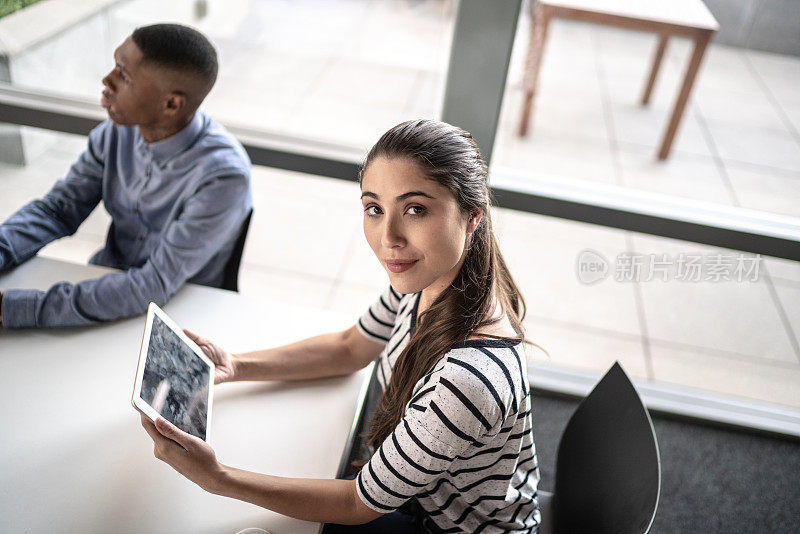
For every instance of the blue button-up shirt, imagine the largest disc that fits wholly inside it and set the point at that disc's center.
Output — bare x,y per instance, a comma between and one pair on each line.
177,207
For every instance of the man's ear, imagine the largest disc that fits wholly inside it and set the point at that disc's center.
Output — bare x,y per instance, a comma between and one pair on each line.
175,104
474,220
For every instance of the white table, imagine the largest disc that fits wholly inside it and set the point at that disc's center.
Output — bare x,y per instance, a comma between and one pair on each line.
75,457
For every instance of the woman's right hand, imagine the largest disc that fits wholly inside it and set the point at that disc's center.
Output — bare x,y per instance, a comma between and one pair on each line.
224,362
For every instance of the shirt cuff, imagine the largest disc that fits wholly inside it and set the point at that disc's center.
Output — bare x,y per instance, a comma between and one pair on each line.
19,307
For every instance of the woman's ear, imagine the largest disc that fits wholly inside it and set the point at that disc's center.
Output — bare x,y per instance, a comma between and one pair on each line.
474,220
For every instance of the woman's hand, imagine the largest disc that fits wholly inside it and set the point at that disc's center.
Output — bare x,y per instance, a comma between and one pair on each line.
188,455
317,500
224,362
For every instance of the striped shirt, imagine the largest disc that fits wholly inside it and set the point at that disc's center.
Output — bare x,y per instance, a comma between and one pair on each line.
464,448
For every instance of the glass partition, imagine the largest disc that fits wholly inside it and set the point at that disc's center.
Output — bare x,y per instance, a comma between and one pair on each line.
683,313
341,72
738,143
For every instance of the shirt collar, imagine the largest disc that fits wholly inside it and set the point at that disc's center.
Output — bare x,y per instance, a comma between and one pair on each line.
173,145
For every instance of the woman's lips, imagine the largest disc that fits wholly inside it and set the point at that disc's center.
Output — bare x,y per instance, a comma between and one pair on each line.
104,100
399,266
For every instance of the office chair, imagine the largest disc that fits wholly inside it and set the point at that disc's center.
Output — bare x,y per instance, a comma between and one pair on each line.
608,471
230,280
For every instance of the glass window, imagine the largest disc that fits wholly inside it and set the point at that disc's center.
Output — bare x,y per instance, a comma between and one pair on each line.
737,145
673,312
341,72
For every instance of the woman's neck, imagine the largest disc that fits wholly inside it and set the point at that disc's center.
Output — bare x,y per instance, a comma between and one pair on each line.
502,326
425,300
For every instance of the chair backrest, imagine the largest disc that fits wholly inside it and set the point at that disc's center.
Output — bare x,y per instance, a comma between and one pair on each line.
608,471
230,278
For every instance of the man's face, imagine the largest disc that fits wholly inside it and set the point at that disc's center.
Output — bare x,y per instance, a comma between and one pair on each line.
132,94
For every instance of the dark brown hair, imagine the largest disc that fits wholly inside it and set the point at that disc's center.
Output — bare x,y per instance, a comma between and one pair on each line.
450,156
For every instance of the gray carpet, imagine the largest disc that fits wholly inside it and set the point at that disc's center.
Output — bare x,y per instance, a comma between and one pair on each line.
713,480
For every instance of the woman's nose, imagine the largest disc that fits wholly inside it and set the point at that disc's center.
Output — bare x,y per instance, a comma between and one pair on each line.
392,235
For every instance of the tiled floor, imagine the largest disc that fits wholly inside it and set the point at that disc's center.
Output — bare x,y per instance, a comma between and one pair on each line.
739,145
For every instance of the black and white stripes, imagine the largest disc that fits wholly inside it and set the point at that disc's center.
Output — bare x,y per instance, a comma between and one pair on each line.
464,448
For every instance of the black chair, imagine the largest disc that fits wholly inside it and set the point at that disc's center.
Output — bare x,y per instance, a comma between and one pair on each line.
230,277
608,471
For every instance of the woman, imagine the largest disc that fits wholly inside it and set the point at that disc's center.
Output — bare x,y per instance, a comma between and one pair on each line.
452,430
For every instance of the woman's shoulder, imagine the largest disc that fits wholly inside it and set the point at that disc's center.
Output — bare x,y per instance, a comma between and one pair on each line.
490,353
498,365
391,302
480,374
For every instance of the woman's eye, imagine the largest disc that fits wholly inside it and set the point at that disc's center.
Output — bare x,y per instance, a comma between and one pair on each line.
372,211
416,210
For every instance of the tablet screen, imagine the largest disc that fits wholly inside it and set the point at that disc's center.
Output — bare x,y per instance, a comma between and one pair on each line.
175,381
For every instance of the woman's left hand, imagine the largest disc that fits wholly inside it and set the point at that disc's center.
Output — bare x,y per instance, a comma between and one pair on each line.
188,455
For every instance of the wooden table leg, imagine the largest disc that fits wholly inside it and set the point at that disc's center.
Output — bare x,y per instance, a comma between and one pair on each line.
662,46
539,22
700,45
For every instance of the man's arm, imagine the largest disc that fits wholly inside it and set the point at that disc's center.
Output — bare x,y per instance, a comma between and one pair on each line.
211,218
61,211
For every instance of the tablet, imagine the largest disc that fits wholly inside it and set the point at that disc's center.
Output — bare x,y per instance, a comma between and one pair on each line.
174,378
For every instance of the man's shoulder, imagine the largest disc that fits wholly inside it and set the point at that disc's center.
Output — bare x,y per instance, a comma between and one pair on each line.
219,148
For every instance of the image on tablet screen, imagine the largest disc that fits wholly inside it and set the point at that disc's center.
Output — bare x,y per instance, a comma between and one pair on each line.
175,381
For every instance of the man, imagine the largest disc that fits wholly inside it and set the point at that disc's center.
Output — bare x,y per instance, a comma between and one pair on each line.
176,184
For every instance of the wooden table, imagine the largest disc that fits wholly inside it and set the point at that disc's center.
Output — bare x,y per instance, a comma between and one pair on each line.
683,18
75,457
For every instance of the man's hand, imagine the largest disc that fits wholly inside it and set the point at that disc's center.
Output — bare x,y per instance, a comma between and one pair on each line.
188,455
224,362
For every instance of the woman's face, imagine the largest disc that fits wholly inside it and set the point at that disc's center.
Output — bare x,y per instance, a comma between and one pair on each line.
413,225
